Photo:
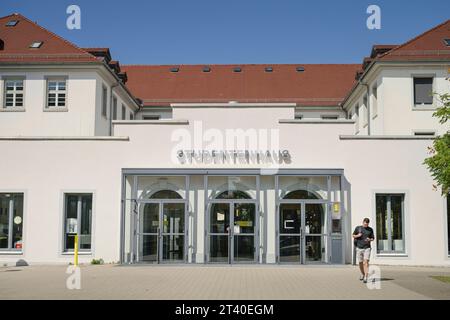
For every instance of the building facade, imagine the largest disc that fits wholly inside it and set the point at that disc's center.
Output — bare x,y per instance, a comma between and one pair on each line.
218,164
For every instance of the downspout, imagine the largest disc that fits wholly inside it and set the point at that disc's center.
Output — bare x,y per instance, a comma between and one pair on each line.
110,107
368,106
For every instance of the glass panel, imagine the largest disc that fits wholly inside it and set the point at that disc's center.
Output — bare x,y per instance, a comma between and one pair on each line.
17,222
166,194
315,249
4,221
219,248
397,223
220,218
290,249
148,248
290,218
244,218
173,217
86,222
244,248
232,187
150,218
300,194
303,187
315,219
233,194
382,223
173,248
71,223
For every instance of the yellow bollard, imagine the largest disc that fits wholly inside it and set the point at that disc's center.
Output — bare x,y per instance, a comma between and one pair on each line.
76,251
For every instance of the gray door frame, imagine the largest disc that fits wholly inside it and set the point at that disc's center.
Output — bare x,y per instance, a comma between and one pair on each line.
231,235
160,234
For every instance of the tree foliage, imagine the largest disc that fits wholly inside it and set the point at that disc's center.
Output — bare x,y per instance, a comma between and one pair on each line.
439,161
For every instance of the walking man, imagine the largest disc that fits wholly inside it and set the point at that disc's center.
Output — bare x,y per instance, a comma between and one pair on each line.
363,237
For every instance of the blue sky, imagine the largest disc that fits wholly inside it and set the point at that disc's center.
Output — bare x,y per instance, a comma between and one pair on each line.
234,31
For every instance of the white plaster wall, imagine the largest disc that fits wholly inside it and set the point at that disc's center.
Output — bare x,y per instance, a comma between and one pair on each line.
45,169
78,120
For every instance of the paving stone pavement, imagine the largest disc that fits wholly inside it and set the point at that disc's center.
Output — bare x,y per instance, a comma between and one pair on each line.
221,283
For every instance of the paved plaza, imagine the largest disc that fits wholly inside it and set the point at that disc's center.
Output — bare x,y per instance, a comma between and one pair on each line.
221,283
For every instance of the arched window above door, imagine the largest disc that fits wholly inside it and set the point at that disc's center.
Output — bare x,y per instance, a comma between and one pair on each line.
166,194
301,195
233,194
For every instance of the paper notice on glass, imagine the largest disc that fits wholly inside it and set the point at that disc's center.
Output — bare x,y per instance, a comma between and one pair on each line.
220,216
237,229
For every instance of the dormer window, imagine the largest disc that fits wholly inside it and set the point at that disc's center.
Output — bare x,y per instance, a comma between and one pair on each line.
12,23
447,42
36,45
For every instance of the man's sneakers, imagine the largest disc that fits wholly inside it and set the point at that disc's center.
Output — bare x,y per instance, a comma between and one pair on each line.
365,280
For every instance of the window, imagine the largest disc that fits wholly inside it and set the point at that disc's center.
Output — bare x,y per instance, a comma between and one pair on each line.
375,101
11,221
14,93
56,93
77,221
423,91
447,42
36,45
131,116
114,115
365,110
152,117
390,223
104,101
124,113
425,133
357,118
12,23
298,117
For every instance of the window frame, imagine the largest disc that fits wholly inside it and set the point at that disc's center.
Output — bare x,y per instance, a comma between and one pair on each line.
104,101
114,107
56,108
422,107
374,97
14,108
79,195
389,195
124,112
10,249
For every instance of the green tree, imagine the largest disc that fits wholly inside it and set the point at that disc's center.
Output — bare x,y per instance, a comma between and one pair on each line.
439,161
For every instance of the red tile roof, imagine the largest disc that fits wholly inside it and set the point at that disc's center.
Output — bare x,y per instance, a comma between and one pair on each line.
17,40
318,85
429,45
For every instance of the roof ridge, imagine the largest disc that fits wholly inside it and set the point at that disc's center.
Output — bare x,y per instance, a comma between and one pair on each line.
415,38
55,35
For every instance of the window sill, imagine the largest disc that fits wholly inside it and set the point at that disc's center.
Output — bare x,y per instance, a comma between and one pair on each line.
53,109
12,109
420,107
11,253
79,253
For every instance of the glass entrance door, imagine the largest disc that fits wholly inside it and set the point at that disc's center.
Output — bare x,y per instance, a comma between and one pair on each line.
161,232
303,233
232,232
